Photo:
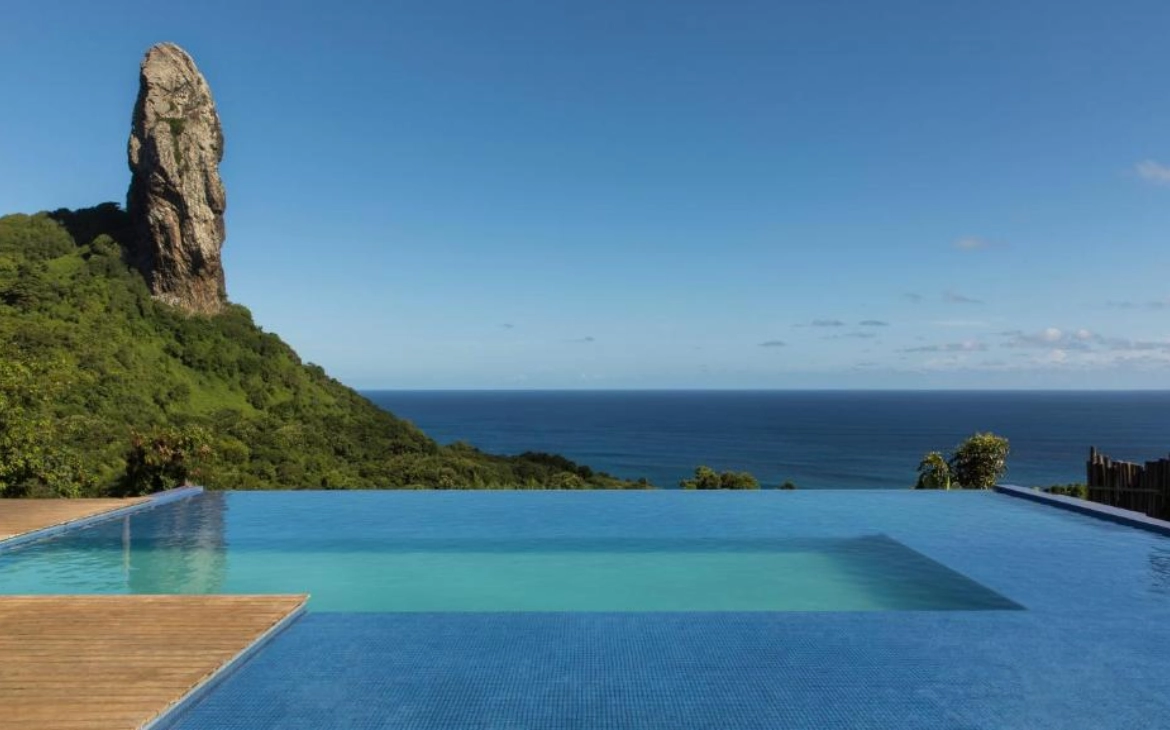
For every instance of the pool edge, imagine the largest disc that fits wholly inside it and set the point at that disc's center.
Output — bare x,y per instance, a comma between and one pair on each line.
1085,507
45,533
175,711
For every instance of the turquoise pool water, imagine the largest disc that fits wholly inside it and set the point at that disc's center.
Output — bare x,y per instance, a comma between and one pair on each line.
406,552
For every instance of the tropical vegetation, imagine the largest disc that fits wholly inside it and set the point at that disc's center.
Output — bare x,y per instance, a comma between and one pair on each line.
104,390
707,478
979,462
1079,490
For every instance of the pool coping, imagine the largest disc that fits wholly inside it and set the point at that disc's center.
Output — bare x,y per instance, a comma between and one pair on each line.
152,501
1116,515
174,712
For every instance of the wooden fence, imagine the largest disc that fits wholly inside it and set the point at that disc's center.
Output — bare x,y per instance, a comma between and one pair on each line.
1138,487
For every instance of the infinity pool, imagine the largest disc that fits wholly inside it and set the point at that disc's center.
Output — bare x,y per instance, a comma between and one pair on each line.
486,552
861,610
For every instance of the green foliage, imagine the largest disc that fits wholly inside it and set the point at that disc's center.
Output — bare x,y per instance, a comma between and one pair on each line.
707,478
33,237
35,459
163,459
1080,491
980,461
788,484
137,366
933,472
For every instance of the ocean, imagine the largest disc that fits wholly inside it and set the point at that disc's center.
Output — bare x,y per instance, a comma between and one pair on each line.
816,439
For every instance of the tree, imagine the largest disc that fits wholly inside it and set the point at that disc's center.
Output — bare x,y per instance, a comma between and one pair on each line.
708,478
980,461
34,459
705,478
738,480
163,459
933,472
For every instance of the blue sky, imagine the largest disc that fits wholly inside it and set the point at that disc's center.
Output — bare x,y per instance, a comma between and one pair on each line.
549,194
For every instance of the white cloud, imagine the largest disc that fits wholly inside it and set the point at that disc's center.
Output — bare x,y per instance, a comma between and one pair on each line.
972,243
1056,357
1084,348
1052,338
1049,350
1154,172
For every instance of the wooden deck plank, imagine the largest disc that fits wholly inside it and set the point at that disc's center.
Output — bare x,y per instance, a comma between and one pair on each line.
117,662
19,516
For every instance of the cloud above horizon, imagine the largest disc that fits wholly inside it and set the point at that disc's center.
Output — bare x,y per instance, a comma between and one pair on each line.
773,343
1156,304
964,346
873,323
1055,349
851,336
972,243
954,297
1153,172
1052,337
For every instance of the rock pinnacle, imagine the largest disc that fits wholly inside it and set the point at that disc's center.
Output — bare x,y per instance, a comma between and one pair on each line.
176,199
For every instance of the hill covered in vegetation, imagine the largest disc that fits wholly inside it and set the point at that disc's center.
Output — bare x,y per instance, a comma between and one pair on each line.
93,370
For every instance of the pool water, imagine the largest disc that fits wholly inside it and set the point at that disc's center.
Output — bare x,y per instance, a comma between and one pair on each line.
863,610
385,552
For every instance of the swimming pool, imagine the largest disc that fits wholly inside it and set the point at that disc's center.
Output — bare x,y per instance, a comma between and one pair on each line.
380,552
655,609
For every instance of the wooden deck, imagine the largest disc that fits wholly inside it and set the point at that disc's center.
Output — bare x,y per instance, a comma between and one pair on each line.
116,662
18,516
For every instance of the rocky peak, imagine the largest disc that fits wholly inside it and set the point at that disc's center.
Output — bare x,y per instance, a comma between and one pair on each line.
176,199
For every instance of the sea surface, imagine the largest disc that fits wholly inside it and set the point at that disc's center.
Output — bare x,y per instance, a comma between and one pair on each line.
816,439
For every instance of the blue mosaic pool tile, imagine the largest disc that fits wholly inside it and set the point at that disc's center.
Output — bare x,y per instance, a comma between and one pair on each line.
821,671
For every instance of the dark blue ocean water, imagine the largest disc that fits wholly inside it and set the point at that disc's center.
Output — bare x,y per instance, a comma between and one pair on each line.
818,439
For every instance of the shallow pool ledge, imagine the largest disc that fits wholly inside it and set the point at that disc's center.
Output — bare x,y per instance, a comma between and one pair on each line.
175,711
151,501
1085,507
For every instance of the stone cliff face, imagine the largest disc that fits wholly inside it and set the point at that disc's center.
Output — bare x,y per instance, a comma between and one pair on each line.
176,199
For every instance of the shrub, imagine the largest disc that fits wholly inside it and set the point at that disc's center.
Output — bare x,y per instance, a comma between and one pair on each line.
933,472
980,461
708,478
163,459
1080,491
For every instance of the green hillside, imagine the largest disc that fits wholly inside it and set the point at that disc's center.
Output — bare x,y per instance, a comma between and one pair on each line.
89,362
